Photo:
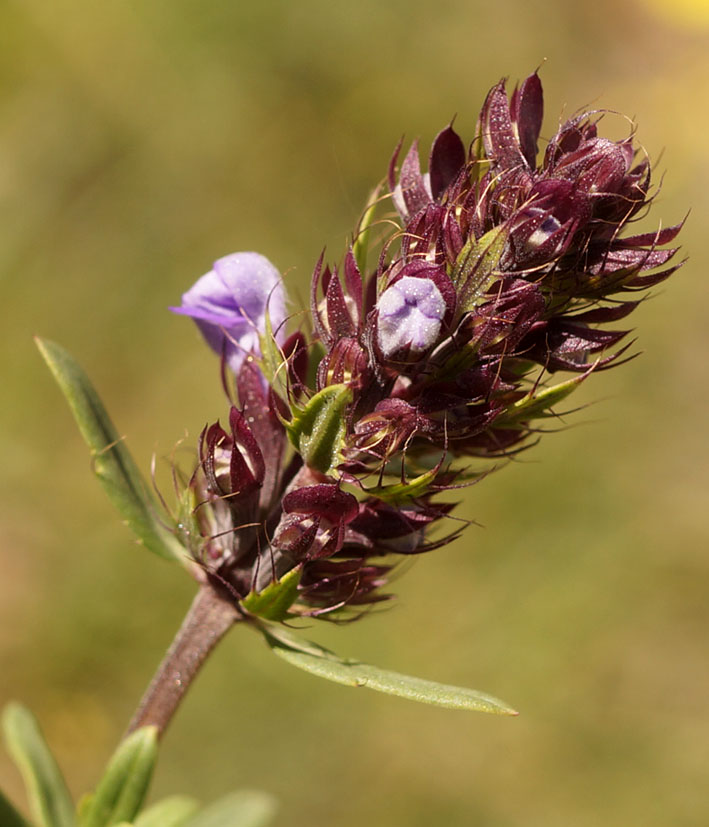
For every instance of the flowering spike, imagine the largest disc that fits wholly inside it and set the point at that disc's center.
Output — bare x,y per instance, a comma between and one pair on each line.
502,271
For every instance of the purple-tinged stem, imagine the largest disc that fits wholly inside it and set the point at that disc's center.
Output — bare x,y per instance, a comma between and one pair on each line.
209,618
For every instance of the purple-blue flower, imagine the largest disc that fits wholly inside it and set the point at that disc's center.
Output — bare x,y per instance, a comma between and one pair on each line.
229,305
410,316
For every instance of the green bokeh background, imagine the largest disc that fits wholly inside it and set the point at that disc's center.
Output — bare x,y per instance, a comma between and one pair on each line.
141,140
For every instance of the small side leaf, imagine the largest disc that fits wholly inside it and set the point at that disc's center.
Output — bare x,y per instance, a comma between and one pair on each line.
174,811
9,817
274,601
46,789
320,661
317,431
245,808
121,792
112,462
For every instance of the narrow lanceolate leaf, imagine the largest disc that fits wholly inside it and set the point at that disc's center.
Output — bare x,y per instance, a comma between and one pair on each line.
46,789
317,431
320,661
274,601
245,808
174,811
111,460
9,817
122,790
477,267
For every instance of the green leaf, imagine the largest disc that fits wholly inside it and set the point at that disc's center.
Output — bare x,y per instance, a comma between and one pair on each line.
83,807
536,405
274,601
9,817
320,661
477,267
318,430
122,790
174,811
47,792
245,808
112,462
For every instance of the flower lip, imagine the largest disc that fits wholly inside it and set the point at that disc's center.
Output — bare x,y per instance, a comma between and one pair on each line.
229,304
410,313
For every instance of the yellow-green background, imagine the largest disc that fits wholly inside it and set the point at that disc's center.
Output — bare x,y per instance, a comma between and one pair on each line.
140,140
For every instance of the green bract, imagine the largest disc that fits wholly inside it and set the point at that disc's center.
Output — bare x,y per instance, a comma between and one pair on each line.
317,431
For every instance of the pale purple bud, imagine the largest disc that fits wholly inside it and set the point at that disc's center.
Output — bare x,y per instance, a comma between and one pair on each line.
229,305
410,316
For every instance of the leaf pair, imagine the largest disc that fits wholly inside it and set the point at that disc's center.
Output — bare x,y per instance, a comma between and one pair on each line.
121,792
245,808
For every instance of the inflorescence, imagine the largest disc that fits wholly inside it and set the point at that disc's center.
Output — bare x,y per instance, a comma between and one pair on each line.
498,270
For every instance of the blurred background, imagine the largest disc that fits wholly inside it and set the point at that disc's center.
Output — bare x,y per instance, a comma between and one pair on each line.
139,141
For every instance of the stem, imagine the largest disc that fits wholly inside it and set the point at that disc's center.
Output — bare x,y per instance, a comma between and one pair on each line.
209,618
